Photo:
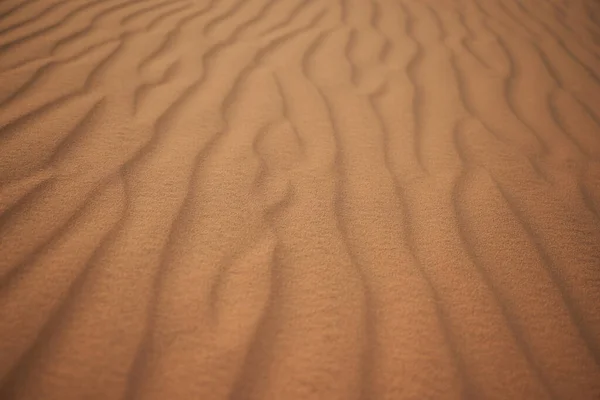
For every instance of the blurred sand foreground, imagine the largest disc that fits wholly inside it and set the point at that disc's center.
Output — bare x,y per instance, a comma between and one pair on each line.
299,199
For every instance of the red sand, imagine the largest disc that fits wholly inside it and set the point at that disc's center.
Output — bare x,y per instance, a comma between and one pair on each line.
299,199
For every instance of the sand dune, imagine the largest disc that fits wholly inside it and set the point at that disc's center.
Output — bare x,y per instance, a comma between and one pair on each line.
321,199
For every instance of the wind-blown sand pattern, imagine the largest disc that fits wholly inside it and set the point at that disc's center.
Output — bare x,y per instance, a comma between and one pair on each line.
300,199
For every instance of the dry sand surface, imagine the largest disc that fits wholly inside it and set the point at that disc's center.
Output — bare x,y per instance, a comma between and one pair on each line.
299,199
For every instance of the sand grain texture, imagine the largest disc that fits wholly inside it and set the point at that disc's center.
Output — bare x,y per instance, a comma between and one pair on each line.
321,199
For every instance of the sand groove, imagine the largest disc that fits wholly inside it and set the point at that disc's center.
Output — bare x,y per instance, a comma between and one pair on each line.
324,199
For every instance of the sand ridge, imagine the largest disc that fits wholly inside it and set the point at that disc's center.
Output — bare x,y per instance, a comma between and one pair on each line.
322,199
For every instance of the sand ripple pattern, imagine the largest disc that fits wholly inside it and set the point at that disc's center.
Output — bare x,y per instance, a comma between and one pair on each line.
299,199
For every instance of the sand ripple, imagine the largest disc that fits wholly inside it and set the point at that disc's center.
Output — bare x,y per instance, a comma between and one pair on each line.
303,199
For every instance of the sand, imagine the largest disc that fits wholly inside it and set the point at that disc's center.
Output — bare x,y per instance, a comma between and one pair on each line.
299,199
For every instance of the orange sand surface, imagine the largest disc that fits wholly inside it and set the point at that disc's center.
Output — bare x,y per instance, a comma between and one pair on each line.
299,199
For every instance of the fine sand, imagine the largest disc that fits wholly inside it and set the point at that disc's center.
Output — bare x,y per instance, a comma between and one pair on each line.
299,199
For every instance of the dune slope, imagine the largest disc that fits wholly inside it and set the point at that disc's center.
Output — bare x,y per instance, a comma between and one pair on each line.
300,199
